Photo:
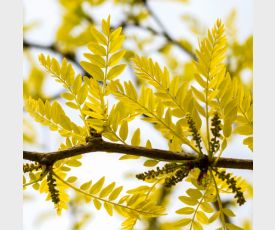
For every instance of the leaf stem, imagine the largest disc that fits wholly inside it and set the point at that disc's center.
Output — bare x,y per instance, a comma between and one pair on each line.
101,199
195,213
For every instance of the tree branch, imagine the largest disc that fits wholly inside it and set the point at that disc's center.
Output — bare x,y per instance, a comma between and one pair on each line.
126,23
69,56
98,145
164,32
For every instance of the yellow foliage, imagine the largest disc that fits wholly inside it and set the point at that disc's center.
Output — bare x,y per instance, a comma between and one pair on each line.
208,107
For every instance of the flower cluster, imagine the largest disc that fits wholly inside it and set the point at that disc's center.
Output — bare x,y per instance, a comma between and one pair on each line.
172,172
216,128
195,134
52,188
231,181
29,167
176,178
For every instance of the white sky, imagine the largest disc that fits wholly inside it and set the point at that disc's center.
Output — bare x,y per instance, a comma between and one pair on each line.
47,13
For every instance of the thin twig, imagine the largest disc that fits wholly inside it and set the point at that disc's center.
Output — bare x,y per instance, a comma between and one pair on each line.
53,48
164,32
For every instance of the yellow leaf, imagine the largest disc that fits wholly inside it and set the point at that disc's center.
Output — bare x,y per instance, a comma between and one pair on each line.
107,190
206,207
188,200
244,130
116,58
98,36
72,105
185,210
123,132
201,217
214,217
115,71
72,179
197,226
74,163
129,223
127,156
97,186
198,94
115,193
116,44
115,33
77,84
150,163
67,96
93,70
148,144
136,138
82,94
108,208
200,80
97,49
183,222
97,204
95,59
195,193
233,227
86,185
249,141
228,212
106,26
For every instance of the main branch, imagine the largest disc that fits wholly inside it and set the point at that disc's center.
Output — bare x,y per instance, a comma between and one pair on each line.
99,145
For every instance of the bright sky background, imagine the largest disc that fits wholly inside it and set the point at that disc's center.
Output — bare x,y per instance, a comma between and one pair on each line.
47,14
